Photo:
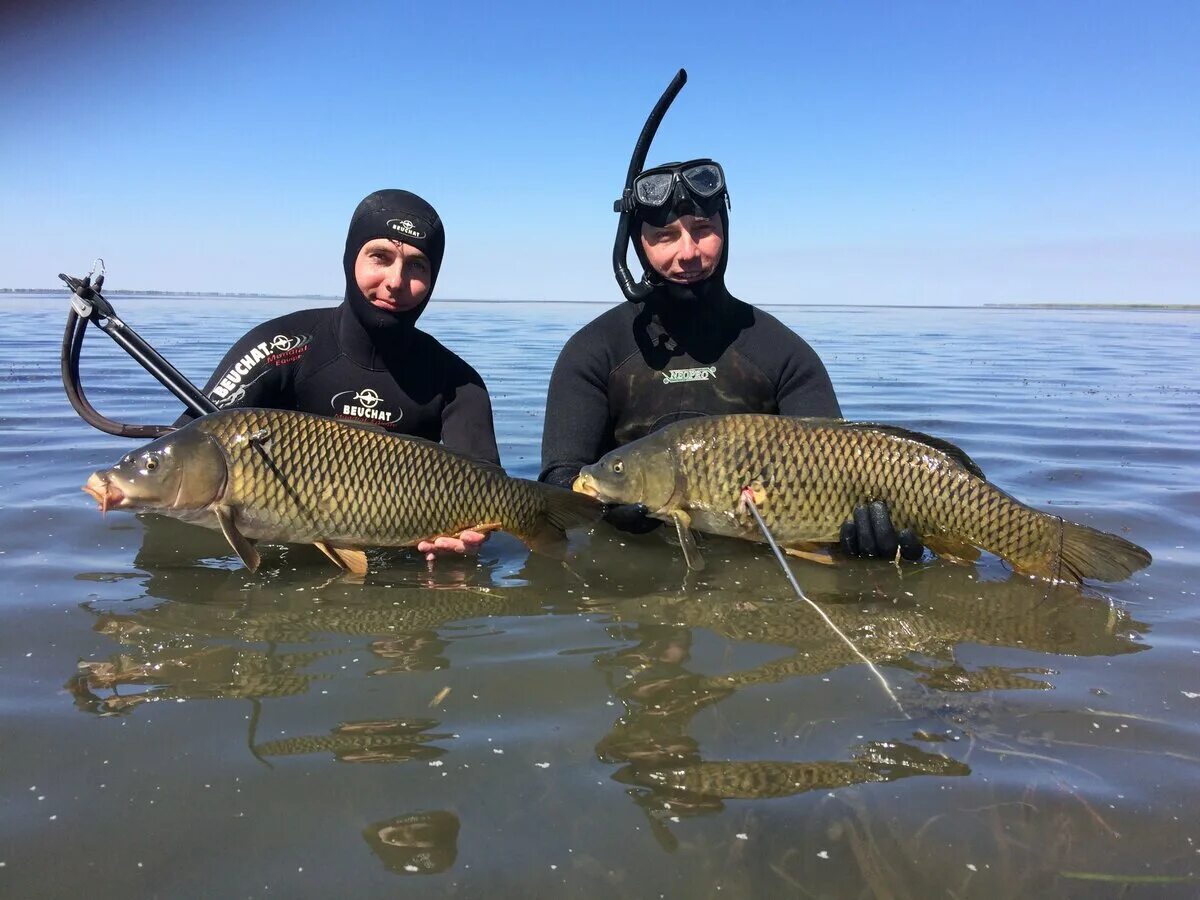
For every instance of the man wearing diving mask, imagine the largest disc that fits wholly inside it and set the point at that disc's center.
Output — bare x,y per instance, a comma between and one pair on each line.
683,346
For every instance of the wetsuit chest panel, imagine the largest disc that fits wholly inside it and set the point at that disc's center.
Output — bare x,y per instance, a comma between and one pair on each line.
343,390
642,398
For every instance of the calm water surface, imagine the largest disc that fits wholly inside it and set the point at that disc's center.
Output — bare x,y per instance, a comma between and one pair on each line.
175,726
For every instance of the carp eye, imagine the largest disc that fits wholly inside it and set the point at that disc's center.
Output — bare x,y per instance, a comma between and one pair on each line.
151,464
618,467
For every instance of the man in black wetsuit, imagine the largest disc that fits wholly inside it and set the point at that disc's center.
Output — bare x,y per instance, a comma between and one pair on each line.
684,346
365,360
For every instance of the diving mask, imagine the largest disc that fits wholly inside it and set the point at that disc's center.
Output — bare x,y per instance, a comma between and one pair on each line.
699,180
702,178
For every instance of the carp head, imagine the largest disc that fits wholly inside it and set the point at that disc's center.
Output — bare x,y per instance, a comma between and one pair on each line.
184,470
643,471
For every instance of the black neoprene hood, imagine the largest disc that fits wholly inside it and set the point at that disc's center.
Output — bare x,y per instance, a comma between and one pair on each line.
395,215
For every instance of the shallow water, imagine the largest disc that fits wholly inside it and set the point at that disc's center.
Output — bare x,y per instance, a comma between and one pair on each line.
173,725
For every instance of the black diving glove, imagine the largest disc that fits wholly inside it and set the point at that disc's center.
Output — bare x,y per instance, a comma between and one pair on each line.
631,518
871,533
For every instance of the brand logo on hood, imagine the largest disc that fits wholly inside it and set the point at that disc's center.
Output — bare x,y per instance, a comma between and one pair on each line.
363,405
405,227
700,373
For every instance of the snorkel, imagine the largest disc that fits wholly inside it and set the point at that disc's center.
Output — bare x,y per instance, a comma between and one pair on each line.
660,196
639,290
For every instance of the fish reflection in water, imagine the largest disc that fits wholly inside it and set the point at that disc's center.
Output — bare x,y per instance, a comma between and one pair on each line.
666,771
419,652
186,673
942,609
912,624
269,616
876,761
179,648
395,740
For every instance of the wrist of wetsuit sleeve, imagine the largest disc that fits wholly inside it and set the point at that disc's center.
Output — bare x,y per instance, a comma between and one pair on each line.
631,518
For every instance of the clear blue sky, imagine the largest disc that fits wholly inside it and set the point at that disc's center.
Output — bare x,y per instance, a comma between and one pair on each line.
876,152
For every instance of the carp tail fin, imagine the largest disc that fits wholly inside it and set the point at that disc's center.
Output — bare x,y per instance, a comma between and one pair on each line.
562,510
1084,552
1089,553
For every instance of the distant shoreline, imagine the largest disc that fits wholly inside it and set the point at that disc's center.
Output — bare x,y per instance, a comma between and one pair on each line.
1174,306
62,291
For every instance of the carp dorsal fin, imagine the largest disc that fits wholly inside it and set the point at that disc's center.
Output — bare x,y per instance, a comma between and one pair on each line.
414,439
954,452
242,545
364,426
687,541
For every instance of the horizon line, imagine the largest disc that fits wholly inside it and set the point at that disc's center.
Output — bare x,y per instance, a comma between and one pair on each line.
1016,304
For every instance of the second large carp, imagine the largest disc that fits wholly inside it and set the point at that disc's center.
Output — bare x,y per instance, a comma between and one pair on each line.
281,476
807,475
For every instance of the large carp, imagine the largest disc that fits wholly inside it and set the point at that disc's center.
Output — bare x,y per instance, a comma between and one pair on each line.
807,475
291,477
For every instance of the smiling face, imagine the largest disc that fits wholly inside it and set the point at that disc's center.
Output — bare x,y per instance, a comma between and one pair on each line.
685,251
392,275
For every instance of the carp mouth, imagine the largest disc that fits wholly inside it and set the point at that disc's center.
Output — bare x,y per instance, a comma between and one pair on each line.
107,494
585,484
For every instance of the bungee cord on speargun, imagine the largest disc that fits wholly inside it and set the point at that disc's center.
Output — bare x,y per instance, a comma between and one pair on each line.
747,501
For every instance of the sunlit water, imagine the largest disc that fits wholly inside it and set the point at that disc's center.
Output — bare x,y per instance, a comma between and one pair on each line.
175,726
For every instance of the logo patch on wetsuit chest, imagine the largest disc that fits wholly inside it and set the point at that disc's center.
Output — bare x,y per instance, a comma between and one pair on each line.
364,405
699,373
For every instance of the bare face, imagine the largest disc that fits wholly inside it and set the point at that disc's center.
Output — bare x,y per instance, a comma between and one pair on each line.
685,251
393,276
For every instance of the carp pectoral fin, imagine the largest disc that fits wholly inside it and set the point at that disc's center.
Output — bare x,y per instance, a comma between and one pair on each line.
329,551
353,561
242,545
687,542
951,548
813,552
487,527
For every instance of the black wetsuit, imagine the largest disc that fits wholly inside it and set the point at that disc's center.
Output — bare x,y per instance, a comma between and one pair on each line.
361,363
684,350
643,365
323,361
